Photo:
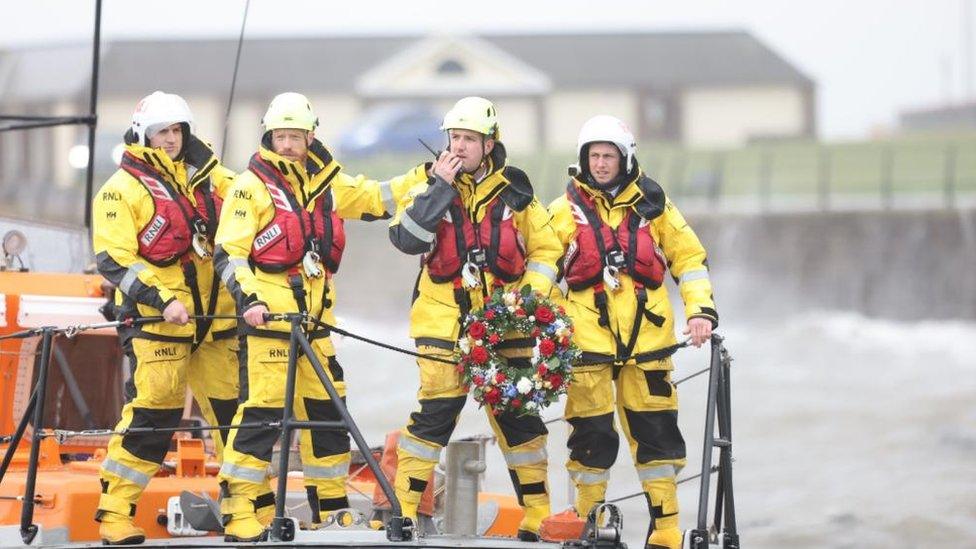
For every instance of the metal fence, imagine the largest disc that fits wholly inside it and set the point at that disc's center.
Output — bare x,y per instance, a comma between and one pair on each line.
924,171
928,171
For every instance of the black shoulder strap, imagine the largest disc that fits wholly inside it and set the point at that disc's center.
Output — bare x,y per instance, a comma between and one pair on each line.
211,206
651,204
518,194
325,243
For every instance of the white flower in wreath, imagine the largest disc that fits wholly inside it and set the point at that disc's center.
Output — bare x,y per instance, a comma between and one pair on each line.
464,345
509,299
538,385
524,385
490,374
530,405
536,355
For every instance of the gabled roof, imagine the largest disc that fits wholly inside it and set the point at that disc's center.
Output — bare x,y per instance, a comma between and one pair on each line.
267,65
651,60
487,69
657,60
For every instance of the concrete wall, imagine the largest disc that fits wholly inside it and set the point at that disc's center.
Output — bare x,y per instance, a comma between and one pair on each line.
899,265
906,265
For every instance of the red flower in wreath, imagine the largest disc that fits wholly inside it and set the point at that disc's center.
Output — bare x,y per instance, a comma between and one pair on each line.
547,347
530,314
479,355
556,381
544,314
477,330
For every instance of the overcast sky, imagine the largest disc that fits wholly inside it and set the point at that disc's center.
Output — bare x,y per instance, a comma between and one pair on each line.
870,58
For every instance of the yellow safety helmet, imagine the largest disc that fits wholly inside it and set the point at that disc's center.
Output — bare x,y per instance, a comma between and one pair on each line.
290,110
473,113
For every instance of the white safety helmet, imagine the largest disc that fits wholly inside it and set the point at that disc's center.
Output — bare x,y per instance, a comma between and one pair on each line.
607,129
157,111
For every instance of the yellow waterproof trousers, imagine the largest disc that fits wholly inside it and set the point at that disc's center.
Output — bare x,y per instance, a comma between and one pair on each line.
325,453
647,405
155,397
442,397
214,380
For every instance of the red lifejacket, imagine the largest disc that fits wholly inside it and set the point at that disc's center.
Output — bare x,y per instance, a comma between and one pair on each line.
499,240
282,243
596,241
168,235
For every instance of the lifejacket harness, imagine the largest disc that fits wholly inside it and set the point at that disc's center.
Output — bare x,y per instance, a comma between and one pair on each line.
173,209
322,237
466,250
614,258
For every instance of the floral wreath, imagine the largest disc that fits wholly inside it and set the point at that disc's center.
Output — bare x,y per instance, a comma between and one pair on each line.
507,387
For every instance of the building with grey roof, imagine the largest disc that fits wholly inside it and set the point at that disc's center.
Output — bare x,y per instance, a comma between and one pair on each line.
696,88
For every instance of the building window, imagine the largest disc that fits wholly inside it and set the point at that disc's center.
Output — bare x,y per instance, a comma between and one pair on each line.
450,67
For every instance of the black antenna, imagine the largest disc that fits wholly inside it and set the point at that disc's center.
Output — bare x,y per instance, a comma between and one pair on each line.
92,110
437,154
233,81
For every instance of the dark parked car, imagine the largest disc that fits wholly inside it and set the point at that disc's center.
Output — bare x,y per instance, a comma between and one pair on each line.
391,129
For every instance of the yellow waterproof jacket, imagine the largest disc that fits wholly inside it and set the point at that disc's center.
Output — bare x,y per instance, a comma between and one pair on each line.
249,209
122,208
685,259
435,312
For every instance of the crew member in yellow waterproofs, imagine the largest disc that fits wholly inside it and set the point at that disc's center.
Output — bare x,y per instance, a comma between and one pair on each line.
470,190
621,233
153,224
279,244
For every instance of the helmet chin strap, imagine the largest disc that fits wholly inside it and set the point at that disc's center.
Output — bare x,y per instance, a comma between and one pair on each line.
608,186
